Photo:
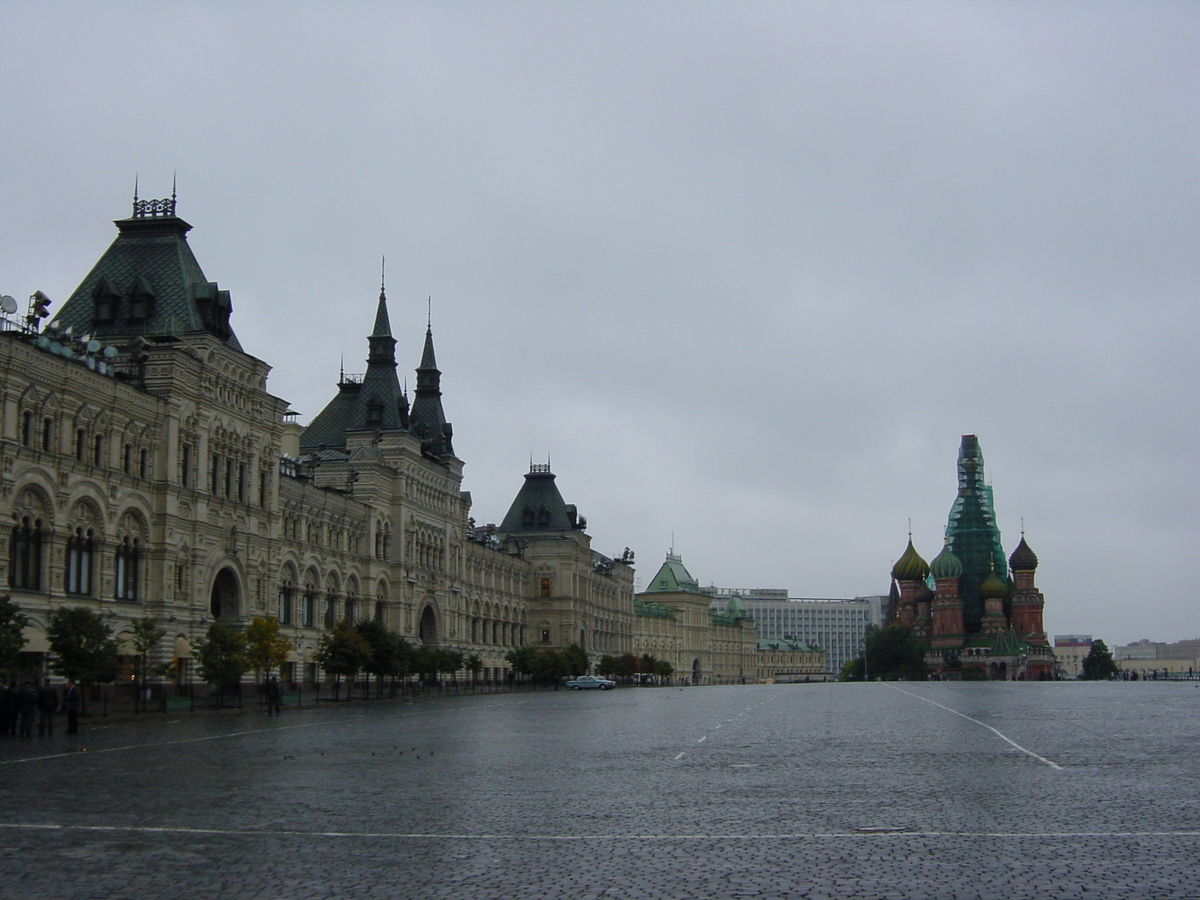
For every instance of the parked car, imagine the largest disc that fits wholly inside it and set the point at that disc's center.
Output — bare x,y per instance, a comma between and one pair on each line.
587,682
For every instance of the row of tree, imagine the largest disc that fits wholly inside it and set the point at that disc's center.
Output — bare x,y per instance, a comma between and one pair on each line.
627,665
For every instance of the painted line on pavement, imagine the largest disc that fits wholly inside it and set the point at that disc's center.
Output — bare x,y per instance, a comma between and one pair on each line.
998,733
658,836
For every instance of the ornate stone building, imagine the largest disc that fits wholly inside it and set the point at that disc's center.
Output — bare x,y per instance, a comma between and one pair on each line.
976,620
146,470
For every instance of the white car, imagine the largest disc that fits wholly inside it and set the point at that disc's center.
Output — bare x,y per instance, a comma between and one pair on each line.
587,682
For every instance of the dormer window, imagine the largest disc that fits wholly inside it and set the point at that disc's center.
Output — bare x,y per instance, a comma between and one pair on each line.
374,413
105,302
141,300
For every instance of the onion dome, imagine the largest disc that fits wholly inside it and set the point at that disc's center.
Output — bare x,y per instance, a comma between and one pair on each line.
1023,559
946,565
910,566
992,586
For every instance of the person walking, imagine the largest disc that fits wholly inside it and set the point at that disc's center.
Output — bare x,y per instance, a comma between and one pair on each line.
26,704
8,708
274,693
71,703
47,704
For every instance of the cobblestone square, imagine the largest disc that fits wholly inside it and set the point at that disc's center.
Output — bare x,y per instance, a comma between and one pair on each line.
931,790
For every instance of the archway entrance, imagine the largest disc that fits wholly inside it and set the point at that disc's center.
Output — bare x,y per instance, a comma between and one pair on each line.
226,596
695,671
428,630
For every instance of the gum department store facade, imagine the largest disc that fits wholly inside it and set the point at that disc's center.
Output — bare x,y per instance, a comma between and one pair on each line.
146,470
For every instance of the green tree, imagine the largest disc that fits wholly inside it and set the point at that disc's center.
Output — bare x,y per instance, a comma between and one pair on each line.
629,665
474,665
146,637
12,637
342,652
450,661
82,646
549,667
608,665
663,669
1098,665
221,657
892,653
575,661
390,653
522,660
266,647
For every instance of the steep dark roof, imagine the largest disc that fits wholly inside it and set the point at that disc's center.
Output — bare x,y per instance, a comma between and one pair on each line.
428,419
374,403
148,283
540,507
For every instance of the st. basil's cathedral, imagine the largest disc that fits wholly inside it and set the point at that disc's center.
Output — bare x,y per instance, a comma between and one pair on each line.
978,614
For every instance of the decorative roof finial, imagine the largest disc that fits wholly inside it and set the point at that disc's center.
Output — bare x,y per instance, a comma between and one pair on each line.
173,180
382,275
1022,526
135,190
429,313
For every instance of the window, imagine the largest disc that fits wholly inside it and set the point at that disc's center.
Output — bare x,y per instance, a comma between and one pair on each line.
241,483
80,444
351,602
545,588
127,459
97,450
262,489
185,465
285,603
25,556
229,478
79,563
126,582
310,607
330,610
47,433
380,611
143,463
214,474
27,429
545,635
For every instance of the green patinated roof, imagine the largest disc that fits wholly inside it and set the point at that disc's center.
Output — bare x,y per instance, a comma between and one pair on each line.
149,261
973,533
1008,644
673,578
649,608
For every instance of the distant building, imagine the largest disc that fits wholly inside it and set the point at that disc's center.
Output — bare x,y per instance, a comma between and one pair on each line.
976,620
1156,659
1069,653
835,626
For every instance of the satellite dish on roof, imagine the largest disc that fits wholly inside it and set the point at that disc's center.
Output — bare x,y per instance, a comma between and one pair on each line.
110,352
93,346
8,304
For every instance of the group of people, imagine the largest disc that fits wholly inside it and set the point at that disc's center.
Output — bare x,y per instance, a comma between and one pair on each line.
19,702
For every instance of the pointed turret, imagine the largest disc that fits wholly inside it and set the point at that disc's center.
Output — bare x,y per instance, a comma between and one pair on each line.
373,403
428,420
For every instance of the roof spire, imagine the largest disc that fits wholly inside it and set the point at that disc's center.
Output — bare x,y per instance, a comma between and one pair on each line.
382,276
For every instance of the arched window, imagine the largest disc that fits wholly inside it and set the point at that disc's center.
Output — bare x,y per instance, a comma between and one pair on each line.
79,562
126,583
309,611
330,609
351,603
284,612
25,555
143,463
127,459
26,429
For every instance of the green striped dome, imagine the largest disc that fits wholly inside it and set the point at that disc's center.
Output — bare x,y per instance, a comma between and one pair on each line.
992,586
946,565
910,566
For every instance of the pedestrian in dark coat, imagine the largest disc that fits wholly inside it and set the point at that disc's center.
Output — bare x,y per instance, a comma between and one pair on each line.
72,700
8,708
47,704
26,704
274,695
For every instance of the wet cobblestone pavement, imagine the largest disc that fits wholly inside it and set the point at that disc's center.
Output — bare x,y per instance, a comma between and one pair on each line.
953,791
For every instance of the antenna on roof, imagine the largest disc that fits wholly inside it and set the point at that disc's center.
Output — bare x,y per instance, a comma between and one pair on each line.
429,313
382,274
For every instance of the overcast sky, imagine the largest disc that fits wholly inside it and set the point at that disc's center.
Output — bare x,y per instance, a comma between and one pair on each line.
744,272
